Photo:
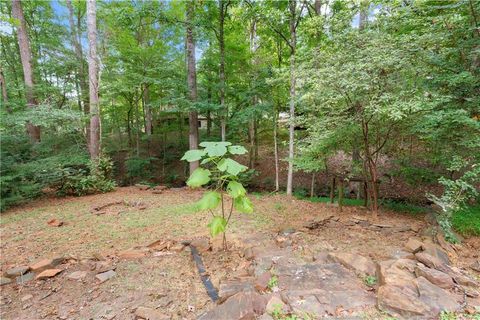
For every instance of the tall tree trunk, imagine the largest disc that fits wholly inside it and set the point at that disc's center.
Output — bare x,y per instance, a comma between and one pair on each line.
363,14
3,84
81,66
137,128
318,7
221,42
293,43
148,111
26,57
192,82
93,80
275,148
312,186
371,167
129,127
251,123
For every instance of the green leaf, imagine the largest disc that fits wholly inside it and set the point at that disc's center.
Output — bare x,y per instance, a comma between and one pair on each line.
210,200
243,204
206,160
215,149
199,177
237,150
235,189
217,225
231,166
193,155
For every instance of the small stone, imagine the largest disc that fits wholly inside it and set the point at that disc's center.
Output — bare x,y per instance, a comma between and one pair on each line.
242,306
17,271
150,314
46,264
55,223
177,247
49,273
104,276
355,262
102,266
164,302
413,245
436,251
4,281
229,288
25,278
429,260
436,277
287,231
77,275
201,244
261,282
475,266
275,304
27,297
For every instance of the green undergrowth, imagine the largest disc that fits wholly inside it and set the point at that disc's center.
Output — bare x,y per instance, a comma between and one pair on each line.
396,206
467,221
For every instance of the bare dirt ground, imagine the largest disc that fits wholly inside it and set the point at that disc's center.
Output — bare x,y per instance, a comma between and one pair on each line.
168,282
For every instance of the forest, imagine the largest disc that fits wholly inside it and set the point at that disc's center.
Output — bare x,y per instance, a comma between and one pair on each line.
184,159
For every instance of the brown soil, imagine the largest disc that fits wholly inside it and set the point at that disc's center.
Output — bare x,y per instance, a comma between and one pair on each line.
154,281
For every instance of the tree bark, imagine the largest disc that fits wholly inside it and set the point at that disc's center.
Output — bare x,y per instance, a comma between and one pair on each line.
221,43
148,111
93,80
371,167
3,84
251,123
192,82
293,41
363,15
81,67
275,148
318,7
26,58
312,186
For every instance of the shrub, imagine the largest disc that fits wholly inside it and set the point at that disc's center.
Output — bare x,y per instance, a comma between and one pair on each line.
138,168
455,196
97,179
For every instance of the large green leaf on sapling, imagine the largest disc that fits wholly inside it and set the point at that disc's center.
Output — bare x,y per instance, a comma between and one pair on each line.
210,200
193,155
235,189
217,225
215,149
237,150
231,166
243,204
199,177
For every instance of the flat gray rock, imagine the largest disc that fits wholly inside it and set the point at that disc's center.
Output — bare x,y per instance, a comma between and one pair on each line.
17,271
25,278
104,276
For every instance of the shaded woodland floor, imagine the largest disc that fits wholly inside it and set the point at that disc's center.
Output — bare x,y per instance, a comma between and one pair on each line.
168,280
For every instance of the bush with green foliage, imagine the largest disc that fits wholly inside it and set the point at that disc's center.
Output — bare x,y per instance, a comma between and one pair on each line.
97,179
221,175
456,194
57,164
139,168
